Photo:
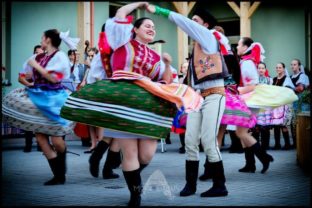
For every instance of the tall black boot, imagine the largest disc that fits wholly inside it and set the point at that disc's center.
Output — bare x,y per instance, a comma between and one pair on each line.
134,183
264,157
168,141
142,166
182,140
293,134
28,141
250,166
191,174
117,159
277,137
236,146
265,137
218,188
107,171
62,161
287,140
59,176
96,156
255,133
207,172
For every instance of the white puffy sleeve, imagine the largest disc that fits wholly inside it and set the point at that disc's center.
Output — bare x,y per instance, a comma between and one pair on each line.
59,64
97,71
26,68
197,32
303,79
174,74
249,73
118,31
288,83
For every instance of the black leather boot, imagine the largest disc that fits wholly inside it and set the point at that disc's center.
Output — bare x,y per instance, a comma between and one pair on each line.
287,140
236,146
182,141
62,161
265,138
116,162
28,141
142,166
207,172
134,183
264,157
277,137
218,188
250,166
96,156
191,174
107,171
59,176
293,134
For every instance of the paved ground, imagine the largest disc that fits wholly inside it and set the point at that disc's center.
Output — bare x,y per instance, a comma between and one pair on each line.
285,184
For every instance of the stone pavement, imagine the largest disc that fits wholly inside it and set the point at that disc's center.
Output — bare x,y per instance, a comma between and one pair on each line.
23,174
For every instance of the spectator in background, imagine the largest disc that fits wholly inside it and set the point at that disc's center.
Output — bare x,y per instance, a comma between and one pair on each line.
77,69
301,82
282,79
261,131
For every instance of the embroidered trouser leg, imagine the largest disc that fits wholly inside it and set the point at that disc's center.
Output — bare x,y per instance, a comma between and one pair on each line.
205,125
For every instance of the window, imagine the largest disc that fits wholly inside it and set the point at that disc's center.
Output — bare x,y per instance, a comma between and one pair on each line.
231,28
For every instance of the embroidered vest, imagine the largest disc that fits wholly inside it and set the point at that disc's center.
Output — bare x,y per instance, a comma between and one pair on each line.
137,57
295,79
39,80
279,82
106,53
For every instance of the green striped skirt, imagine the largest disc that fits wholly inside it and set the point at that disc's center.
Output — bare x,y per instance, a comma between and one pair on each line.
121,106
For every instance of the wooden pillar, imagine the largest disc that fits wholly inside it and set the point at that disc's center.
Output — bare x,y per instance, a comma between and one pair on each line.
244,19
245,12
84,26
183,8
182,37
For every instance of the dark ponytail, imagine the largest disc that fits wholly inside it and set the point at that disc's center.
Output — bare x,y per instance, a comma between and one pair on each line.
247,41
54,35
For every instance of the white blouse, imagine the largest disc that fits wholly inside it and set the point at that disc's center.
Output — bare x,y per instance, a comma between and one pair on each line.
58,63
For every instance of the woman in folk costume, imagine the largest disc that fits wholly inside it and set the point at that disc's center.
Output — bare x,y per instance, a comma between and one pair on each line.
281,116
237,113
250,54
128,110
301,82
262,130
37,108
204,75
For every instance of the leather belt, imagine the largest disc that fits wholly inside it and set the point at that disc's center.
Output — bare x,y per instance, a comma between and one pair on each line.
213,90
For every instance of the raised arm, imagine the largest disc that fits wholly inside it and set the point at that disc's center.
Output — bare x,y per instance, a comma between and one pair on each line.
127,9
197,32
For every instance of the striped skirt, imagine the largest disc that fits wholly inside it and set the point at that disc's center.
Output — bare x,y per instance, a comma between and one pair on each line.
19,110
264,117
281,115
236,112
121,106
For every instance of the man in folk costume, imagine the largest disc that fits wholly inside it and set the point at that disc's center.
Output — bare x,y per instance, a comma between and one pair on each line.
205,76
